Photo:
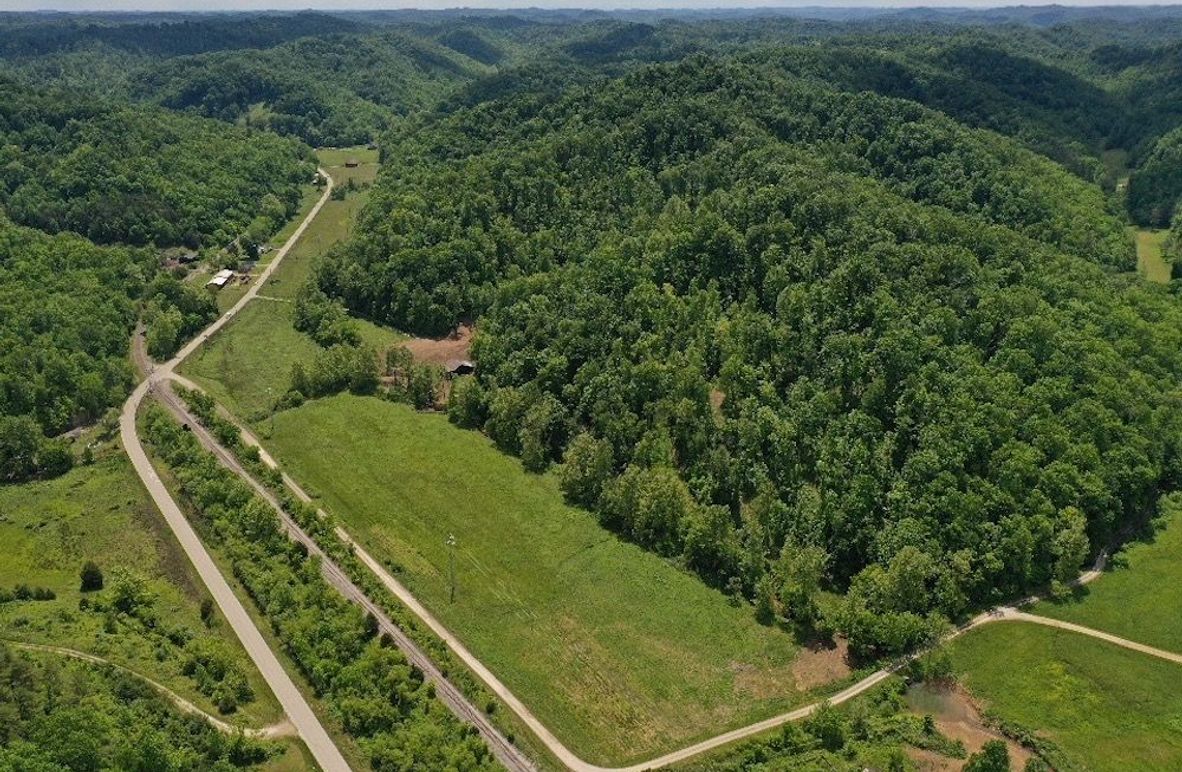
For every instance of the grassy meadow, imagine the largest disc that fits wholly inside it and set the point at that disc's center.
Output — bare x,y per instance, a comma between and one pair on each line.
1150,261
622,654
1106,708
333,160
48,529
330,226
247,365
1140,596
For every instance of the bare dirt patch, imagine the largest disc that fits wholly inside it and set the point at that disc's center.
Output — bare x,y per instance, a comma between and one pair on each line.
958,717
440,351
820,663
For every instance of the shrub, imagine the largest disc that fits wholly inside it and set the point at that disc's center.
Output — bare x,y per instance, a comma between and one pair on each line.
92,577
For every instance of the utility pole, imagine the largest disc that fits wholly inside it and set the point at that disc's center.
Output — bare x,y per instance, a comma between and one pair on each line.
451,564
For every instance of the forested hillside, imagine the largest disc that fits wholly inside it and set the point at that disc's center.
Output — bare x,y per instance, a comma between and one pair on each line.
978,82
136,175
161,35
1155,189
777,330
327,90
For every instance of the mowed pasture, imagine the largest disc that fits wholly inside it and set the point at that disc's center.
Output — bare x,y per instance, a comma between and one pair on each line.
1150,256
335,161
1106,708
100,512
620,653
1140,596
331,225
247,365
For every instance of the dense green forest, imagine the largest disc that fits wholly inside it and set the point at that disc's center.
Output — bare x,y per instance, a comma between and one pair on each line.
1155,189
67,308
139,176
129,177
326,91
938,384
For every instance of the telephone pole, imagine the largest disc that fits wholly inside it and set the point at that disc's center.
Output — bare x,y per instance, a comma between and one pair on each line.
451,564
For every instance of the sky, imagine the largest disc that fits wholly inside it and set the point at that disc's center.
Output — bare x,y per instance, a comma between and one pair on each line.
290,5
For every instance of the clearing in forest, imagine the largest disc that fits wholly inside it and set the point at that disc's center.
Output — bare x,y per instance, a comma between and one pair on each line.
1104,707
1150,261
620,653
441,351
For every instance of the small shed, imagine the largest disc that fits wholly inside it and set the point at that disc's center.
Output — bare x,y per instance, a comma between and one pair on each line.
352,163
456,367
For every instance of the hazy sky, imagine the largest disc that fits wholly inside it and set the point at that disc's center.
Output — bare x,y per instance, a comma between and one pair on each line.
242,5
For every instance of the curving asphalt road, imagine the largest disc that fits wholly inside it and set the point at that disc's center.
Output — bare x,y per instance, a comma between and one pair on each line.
505,751
568,757
299,712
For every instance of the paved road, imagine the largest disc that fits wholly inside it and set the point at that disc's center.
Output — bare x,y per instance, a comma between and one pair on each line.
508,754
321,746
281,729
568,757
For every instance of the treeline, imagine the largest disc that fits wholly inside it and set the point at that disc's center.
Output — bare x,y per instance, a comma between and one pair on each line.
381,700
1155,188
63,714
797,339
136,175
176,36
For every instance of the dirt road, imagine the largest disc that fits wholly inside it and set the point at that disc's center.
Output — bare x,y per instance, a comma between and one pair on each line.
299,712
568,757
281,729
1014,615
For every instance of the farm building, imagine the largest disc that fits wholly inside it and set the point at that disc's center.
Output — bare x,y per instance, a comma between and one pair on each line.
352,163
220,278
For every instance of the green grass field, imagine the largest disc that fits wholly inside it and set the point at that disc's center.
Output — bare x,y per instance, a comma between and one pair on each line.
332,225
1105,707
247,365
100,512
333,160
1140,597
622,654
1150,262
